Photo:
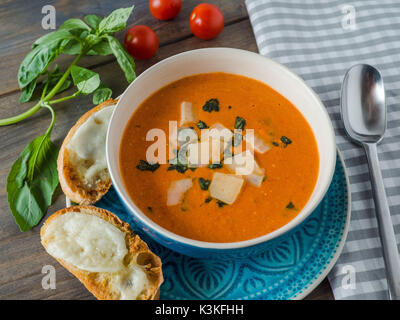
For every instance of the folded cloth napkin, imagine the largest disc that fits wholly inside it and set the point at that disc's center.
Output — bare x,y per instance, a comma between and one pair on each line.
319,40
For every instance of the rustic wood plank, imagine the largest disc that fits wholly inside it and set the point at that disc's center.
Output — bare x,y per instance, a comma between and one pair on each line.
322,292
17,37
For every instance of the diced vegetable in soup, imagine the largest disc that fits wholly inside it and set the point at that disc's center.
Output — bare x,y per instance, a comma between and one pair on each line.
225,187
243,160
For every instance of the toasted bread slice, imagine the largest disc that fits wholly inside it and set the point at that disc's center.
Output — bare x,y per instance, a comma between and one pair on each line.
81,163
103,253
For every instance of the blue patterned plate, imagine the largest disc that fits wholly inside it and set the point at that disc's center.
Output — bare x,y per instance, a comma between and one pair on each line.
289,270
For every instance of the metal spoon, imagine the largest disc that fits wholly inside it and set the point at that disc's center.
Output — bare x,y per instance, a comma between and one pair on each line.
363,111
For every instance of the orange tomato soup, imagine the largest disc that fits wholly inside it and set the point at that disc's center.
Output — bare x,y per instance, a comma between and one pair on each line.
291,169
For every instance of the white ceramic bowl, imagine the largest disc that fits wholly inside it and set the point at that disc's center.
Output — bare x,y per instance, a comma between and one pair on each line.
233,61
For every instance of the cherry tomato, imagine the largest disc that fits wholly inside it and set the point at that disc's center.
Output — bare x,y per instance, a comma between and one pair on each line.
165,9
141,42
206,21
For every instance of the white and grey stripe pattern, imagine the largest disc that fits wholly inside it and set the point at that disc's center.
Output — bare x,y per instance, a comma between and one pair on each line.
317,40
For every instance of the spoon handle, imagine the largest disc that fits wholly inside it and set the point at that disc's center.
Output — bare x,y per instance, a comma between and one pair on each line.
385,225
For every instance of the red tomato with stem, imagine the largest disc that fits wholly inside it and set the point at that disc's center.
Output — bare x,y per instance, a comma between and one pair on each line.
141,42
165,9
206,21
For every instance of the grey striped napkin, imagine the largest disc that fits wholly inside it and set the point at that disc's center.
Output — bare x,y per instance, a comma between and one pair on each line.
320,40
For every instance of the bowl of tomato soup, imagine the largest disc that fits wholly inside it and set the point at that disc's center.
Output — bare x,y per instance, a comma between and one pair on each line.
216,152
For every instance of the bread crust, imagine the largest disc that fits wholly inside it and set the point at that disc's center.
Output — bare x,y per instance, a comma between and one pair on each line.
69,179
97,282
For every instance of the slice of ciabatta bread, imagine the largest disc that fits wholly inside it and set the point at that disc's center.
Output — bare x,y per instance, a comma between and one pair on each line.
81,164
103,253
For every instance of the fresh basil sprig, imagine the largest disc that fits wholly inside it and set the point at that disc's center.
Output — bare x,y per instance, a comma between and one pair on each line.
33,177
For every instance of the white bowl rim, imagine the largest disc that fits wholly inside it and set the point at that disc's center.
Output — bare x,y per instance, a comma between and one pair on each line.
224,246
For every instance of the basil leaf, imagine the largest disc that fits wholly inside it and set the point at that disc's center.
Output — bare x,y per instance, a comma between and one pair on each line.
53,36
240,123
102,49
37,60
290,205
44,38
92,39
202,125
147,166
215,165
211,105
221,204
101,94
286,141
125,61
204,183
28,92
181,168
116,21
86,80
93,21
32,181
83,39
74,24
73,48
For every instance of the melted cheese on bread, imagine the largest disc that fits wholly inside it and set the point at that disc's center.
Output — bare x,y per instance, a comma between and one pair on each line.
92,244
87,147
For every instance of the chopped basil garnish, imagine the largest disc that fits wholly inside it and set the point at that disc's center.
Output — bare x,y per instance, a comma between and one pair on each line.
215,165
221,204
181,168
208,200
240,123
211,105
290,205
204,183
174,164
286,141
202,125
146,166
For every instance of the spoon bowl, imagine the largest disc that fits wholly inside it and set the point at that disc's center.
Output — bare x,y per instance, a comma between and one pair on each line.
363,104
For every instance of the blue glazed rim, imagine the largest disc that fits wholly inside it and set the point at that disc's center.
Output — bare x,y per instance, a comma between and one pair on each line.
317,243
340,244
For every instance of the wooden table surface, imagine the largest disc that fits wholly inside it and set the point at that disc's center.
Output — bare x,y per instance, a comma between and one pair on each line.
21,254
